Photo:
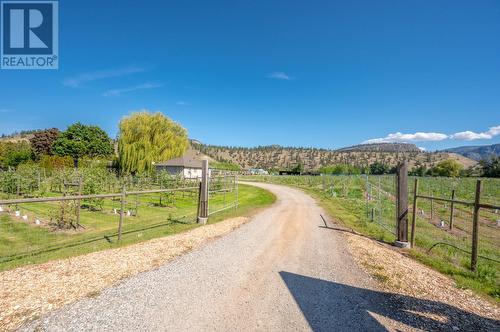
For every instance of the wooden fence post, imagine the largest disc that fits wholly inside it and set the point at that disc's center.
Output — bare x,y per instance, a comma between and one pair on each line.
475,227
452,206
402,205
203,211
122,212
414,216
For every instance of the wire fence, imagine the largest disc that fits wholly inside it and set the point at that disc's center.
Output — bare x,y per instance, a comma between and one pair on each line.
68,221
468,223
372,199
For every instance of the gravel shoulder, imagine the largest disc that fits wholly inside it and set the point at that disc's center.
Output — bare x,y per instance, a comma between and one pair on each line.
416,283
284,270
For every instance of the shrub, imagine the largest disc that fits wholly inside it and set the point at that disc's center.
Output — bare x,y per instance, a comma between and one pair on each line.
65,215
447,168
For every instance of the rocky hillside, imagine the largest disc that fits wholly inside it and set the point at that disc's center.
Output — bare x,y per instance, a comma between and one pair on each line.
278,157
477,152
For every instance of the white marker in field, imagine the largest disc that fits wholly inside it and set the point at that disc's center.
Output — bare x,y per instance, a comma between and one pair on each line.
114,211
18,213
1,209
128,213
37,222
25,217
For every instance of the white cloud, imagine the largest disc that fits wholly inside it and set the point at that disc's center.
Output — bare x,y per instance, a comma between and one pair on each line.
119,92
433,137
279,75
494,131
471,136
183,103
416,137
78,80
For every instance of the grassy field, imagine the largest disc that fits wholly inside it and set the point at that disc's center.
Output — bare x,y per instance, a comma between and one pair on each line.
23,242
360,205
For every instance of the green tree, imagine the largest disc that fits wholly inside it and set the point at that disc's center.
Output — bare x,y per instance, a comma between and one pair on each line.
145,138
418,171
13,154
81,140
448,168
378,168
491,167
42,141
298,168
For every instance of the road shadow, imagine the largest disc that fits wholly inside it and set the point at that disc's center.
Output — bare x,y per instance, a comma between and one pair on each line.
331,306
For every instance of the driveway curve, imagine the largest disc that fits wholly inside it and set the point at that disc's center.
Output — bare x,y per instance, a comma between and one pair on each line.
282,271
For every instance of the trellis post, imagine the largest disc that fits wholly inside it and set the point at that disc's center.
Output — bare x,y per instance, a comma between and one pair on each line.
414,216
122,212
475,227
236,185
432,205
203,197
402,205
452,206
79,202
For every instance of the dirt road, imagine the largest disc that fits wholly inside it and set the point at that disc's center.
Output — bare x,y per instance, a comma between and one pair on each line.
282,271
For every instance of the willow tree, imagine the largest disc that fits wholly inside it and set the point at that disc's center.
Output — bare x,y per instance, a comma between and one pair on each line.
145,138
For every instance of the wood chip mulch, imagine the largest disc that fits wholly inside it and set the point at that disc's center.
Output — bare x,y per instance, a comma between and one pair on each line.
412,281
31,291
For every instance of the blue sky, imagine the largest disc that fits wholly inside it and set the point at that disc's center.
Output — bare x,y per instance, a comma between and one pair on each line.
296,73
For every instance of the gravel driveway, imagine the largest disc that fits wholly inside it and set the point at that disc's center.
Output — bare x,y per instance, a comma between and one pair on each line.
281,271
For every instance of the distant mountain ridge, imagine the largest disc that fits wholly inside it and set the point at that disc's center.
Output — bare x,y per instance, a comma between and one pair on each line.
275,157
477,152
383,147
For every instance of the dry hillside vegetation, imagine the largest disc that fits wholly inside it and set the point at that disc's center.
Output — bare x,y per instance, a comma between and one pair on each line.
278,157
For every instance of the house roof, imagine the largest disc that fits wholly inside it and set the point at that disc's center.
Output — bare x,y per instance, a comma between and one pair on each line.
190,159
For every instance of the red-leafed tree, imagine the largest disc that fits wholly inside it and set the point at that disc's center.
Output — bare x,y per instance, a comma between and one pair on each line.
42,141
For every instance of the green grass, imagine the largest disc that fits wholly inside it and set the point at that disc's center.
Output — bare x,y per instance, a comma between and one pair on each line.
152,221
346,202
